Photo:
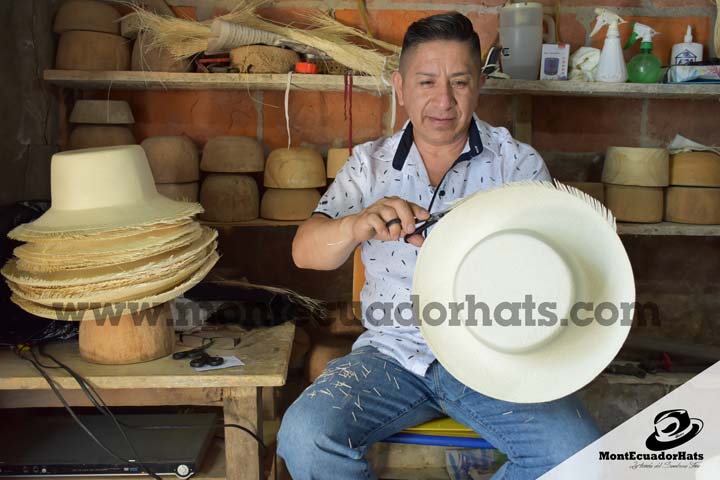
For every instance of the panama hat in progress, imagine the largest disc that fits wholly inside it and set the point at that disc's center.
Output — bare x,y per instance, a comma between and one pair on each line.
545,240
101,190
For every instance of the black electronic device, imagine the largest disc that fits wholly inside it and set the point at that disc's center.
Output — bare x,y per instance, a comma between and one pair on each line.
54,445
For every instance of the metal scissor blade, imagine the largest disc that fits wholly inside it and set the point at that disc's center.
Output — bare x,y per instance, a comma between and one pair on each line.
423,225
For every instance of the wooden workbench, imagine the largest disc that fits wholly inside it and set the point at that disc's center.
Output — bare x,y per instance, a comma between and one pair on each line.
265,351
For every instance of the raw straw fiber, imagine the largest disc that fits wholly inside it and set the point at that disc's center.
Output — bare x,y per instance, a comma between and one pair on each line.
150,57
263,59
125,292
130,271
113,291
45,264
95,311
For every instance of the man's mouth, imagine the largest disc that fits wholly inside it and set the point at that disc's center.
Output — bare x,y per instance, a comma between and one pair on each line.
441,119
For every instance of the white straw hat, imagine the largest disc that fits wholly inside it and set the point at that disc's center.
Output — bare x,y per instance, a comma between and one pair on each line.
102,190
550,242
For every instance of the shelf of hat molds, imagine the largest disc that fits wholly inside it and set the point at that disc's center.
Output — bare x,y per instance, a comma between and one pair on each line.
668,229
334,83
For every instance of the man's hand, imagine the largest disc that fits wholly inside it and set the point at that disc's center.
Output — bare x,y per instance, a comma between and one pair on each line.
390,218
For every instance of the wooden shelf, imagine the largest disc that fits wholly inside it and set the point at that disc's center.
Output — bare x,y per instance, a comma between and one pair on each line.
668,228
123,80
126,80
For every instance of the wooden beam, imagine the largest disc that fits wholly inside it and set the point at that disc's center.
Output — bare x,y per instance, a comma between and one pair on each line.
522,118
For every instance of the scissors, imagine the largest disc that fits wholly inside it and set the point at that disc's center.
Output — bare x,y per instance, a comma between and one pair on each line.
422,225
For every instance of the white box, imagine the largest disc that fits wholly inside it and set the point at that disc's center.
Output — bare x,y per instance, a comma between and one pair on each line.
554,63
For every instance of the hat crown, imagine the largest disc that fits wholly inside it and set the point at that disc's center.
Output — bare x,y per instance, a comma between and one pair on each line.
100,177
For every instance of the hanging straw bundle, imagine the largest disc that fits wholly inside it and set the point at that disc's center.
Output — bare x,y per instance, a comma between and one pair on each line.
185,38
324,24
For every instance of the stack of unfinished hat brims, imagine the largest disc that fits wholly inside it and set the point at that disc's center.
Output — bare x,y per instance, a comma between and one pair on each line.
634,179
292,176
175,164
109,239
101,123
694,192
229,193
90,37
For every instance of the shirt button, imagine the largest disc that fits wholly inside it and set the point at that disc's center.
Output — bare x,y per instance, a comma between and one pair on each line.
442,193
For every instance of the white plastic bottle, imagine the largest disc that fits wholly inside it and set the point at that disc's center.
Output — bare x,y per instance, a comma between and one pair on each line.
686,52
611,68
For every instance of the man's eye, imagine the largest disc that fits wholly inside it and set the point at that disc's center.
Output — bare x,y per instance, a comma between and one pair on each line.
426,83
461,83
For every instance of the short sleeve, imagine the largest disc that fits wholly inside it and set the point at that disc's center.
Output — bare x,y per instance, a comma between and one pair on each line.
346,193
523,162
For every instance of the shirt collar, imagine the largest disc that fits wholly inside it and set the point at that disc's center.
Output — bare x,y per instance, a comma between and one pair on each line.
407,140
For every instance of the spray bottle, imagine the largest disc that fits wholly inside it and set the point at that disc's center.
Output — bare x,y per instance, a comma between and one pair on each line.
643,67
612,64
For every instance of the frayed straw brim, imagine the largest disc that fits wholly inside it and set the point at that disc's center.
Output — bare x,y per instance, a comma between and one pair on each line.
114,234
72,263
97,311
115,293
63,224
131,271
103,247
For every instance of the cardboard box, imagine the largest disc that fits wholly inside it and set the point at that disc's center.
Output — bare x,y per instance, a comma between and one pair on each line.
554,63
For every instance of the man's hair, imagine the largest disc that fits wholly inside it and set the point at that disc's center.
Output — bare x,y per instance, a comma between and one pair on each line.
443,26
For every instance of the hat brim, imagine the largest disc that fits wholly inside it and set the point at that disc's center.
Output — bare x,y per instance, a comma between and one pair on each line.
579,228
130,270
110,292
70,223
52,264
99,245
95,312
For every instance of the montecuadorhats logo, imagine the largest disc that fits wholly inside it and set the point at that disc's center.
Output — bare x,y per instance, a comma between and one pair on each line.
672,429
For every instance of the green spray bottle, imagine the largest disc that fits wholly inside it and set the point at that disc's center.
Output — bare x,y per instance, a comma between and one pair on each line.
643,67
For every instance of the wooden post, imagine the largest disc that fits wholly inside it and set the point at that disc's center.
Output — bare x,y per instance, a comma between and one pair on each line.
242,407
522,118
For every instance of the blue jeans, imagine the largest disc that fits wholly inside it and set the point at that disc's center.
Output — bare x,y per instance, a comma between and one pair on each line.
366,396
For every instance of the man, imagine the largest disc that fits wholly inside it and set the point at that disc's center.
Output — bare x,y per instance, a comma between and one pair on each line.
391,380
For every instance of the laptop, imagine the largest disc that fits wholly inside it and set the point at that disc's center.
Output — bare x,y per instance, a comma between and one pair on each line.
54,445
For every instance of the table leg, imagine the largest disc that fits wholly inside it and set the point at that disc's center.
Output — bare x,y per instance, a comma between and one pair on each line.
242,406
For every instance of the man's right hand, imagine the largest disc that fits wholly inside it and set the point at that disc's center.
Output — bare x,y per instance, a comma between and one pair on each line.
390,218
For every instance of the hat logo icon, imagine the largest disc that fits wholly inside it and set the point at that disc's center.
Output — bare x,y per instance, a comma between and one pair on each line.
672,429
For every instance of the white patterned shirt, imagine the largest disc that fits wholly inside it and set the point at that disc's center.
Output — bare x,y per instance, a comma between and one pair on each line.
392,166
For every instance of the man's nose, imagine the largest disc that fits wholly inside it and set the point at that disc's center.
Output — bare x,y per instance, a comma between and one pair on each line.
444,97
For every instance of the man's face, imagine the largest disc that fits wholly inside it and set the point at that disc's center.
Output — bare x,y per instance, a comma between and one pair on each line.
439,86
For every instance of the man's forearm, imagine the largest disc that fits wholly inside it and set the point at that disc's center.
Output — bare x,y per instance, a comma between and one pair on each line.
324,244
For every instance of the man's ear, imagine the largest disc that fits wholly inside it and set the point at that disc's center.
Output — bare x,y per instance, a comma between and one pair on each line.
397,82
